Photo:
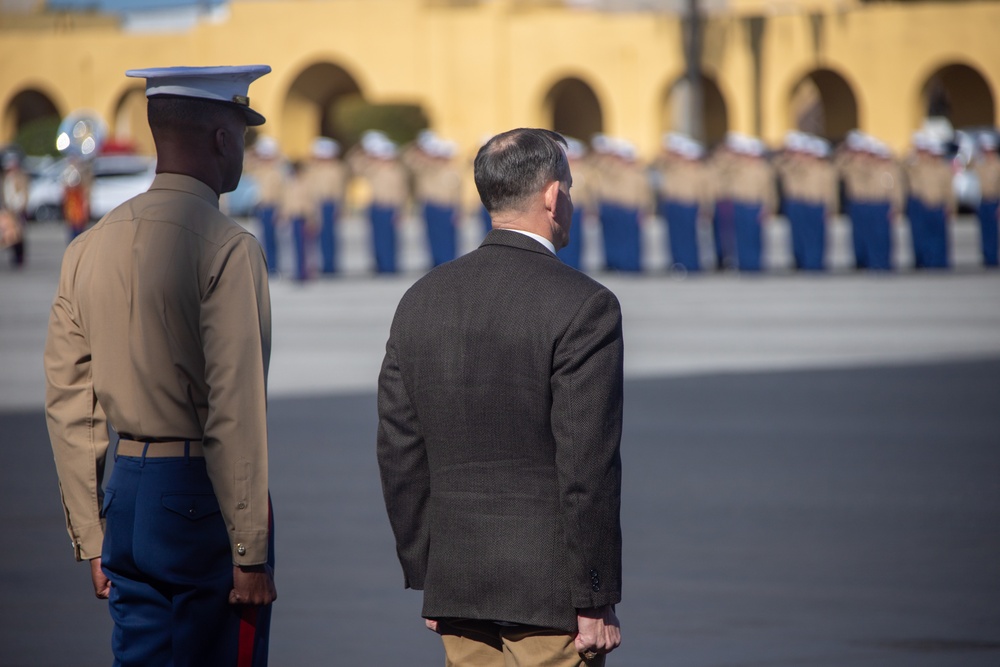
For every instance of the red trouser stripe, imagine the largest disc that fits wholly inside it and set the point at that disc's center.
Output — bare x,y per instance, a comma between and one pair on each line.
248,632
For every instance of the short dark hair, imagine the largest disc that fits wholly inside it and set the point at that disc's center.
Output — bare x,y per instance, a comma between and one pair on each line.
189,114
513,166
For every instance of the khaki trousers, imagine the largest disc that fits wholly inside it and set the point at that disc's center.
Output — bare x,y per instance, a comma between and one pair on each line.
471,643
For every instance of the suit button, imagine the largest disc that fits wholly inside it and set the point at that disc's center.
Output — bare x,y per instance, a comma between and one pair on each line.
596,587
241,506
241,550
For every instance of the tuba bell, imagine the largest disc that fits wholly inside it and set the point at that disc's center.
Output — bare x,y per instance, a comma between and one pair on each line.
81,134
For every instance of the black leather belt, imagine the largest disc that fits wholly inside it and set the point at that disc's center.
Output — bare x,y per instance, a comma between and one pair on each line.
159,450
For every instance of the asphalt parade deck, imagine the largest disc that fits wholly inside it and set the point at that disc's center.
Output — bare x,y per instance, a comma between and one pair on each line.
810,473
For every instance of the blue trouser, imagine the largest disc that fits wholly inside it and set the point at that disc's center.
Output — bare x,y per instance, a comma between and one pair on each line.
626,228
987,213
167,554
812,236
606,215
724,233
876,234
328,235
383,219
916,213
441,233
793,211
935,237
749,236
266,215
682,233
855,211
300,233
572,253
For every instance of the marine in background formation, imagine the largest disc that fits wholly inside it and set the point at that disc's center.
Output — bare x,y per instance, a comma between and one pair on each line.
13,204
438,192
326,180
932,203
988,171
268,170
683,193
625,202
810,195
755,198
376,160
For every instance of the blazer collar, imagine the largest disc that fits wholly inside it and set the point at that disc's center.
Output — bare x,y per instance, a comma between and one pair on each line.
514,240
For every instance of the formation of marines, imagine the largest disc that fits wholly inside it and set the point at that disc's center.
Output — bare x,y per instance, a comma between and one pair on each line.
729,195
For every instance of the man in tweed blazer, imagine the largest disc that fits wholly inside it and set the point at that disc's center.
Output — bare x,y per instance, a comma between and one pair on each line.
500,416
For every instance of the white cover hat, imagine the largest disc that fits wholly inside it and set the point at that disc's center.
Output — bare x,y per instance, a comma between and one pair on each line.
225,84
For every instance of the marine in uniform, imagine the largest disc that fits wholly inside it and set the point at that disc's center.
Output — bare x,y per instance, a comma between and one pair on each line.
626,200
852,164
439,193
572,252
326,179
299,212
161,329
988,172
722,168
934,199
269,172
377,162
810,189
754,198
682,193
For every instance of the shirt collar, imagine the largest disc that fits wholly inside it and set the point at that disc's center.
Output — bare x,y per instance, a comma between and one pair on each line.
541,239
187,184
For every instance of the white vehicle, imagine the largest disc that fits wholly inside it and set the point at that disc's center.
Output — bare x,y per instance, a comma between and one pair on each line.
116,179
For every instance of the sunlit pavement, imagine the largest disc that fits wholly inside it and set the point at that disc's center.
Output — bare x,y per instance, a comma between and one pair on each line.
810,467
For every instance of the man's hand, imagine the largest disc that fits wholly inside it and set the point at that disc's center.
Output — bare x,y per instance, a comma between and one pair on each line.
598,630
431,624
253,585
102,585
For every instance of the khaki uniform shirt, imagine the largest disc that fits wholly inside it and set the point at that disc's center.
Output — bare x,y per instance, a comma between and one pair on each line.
931,183
439,183
988,171
686,182
388,180
270,178
327,180
161,326
297,201
753,183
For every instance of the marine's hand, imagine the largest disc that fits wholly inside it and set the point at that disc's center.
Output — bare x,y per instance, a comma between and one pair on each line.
102,585
253,585
598,630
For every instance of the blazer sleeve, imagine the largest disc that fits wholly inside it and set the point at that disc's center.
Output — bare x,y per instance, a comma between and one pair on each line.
402,461
587,425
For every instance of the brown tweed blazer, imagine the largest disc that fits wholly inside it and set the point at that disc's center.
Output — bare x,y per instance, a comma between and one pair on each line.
500,416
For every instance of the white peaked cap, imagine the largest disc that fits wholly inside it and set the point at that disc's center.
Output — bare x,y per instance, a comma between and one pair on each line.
219,84
325,148
266,147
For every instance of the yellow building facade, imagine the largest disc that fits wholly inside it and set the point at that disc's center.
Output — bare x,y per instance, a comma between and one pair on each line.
476,67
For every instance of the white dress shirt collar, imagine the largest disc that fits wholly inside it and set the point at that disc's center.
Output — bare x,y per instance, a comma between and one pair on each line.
541,239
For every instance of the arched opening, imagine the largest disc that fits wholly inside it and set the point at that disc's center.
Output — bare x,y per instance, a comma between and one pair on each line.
31,120
311,107
822,103
960,94
676,111
130,129
574,109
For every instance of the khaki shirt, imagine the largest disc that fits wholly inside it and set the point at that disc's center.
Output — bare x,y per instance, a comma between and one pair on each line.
161,326
327,180
686,182
988,171
270,177
439,183
753,183
388,181
931,183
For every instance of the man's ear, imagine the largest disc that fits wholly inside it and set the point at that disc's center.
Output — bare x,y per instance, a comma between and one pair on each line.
551,196
222,139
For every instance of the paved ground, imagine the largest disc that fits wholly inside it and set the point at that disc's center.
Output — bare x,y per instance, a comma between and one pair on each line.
811,469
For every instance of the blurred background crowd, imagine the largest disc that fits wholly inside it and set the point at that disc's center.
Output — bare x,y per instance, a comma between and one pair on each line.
710,120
